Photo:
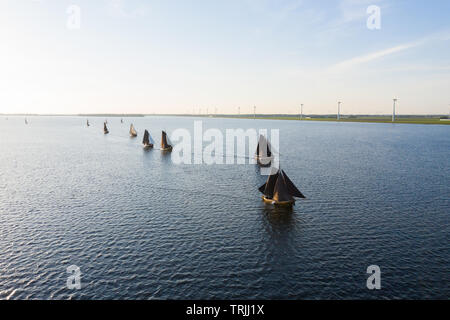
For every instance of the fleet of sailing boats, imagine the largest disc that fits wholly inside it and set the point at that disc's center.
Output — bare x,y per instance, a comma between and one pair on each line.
278,190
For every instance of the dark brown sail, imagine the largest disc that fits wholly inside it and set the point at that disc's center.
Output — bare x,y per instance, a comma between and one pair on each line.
268,188
291,187
105,129
281,192
164,144
146,140
260,148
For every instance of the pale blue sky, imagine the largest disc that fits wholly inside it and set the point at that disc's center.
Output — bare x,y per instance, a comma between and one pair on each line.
167,56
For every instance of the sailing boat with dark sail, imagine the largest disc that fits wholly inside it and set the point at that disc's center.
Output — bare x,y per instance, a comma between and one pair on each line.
280,190
147,141
105,128
165,146
133,132
263,154
26,121
87,123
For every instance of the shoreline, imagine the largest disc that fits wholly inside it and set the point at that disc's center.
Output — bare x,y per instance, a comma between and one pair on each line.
404,119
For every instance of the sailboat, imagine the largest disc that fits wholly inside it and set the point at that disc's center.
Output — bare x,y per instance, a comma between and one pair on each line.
105,128
87,122
121,120
133,132
26,121
147,141
263,154
279,190
164,145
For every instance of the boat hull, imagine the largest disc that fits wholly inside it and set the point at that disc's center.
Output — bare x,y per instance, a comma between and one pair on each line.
166,149
263,161
278,203
148,146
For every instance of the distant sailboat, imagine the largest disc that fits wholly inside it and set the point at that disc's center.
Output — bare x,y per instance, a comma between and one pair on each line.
133,132
164,145
147,141
105,128
279,190
121,120
87,122
26,121
263,154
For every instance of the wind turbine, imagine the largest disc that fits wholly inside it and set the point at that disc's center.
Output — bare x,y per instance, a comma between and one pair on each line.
301,111
254,112
393,111
339,111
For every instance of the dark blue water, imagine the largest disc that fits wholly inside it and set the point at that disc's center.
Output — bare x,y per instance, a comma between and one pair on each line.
141,227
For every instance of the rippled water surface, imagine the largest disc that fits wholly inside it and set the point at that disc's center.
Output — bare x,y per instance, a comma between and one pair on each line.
141,227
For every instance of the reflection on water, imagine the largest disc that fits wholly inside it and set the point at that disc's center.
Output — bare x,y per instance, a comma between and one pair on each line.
279,218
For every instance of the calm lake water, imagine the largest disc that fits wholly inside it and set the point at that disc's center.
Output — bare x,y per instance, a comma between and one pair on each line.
141,227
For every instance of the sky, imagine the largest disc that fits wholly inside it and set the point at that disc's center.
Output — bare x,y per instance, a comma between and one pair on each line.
172,57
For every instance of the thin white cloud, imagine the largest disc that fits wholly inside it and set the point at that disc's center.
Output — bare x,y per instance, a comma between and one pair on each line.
346,64
371,56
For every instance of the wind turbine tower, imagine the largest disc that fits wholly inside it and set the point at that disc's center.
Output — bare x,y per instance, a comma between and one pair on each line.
393,110
301,111
254,112
339,111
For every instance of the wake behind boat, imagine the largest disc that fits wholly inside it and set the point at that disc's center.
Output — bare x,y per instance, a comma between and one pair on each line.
165,146
133,132
280,190
263,154
147,141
